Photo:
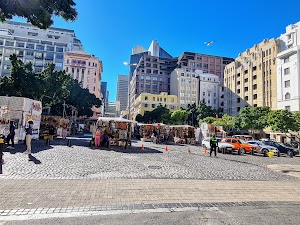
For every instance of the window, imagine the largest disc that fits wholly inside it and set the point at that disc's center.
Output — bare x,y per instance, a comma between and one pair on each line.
29,53
9,43
9,51
1,42
287,83
246,80
153,106
238,100
254,77
59,56
50,48
286,71
245,88
30,46
148,78
155,78
238,91
246,98
286,60
255,96
203,93
255,86
38,55
40,47
59,49
146,98
288,108
49,56
146,105
20,44
287,96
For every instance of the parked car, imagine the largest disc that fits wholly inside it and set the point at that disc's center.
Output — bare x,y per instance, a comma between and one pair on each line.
240,146
292,144
282,148
221,146
264,149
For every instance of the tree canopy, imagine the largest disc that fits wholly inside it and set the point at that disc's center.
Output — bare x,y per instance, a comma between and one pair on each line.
51,87
282,121
38,12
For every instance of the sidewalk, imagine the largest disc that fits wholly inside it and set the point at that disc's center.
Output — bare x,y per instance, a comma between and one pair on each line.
38,194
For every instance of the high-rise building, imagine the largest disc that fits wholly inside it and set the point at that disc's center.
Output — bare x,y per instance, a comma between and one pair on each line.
152,73
288,69
31,44
111,109
191,61
104,92
251,79
86,68
122,91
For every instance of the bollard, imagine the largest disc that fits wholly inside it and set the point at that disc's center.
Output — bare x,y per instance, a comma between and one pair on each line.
1,154
278,153
252,151
69,144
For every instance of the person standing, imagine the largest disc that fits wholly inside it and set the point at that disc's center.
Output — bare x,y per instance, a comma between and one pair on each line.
28,138
11,135
97,137
213,145
51,132
64,132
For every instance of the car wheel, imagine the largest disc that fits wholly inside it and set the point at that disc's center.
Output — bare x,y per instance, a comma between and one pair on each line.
242,151
265,152
290,153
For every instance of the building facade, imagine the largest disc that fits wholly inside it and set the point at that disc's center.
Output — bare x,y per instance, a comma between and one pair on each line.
111,109
147,102
288,69
86,68
191,61
122,91
31,44
251,79
195,87
104,93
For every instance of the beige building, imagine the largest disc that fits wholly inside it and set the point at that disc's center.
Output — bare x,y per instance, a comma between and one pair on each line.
251,79
86,68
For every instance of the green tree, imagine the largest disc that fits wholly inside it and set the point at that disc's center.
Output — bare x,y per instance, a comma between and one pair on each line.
209,120
205,111
38,12
178,116
227,122
254,118
192,114
282,121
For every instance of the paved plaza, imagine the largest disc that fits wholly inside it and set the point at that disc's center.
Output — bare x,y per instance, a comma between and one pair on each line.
58,161
79,179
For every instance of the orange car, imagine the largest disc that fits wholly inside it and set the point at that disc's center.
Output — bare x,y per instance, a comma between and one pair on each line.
240,146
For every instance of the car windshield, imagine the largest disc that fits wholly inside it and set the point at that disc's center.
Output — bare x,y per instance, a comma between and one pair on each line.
256,143
243,142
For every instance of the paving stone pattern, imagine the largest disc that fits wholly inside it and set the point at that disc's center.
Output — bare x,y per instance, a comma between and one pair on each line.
58,161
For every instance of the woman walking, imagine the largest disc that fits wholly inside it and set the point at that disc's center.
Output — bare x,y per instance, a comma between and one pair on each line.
28,138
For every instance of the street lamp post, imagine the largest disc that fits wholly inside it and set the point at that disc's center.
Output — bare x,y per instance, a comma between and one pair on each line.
129,95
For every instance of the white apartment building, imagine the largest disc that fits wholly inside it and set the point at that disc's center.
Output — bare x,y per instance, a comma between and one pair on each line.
288,69
122,91
194,87
210,90
31,44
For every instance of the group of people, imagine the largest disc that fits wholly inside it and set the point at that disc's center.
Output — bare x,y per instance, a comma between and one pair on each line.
101,138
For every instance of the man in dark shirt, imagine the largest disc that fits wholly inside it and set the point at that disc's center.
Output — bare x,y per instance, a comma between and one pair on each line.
213,145
51,132
11,135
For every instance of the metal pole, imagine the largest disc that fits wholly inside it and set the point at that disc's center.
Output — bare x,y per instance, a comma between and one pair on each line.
1,153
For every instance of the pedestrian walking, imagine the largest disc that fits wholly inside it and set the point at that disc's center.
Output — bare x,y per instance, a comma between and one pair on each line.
213,145
11,136
28,138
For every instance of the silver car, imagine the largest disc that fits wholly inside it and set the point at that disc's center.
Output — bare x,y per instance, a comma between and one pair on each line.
264,149
227,147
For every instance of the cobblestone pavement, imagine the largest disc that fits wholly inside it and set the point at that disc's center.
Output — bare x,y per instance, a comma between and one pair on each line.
58,161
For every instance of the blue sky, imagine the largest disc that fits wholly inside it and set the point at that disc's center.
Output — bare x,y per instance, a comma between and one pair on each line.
110,29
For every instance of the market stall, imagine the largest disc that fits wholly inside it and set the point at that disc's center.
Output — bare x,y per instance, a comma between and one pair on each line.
183,134
113,131
146,131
